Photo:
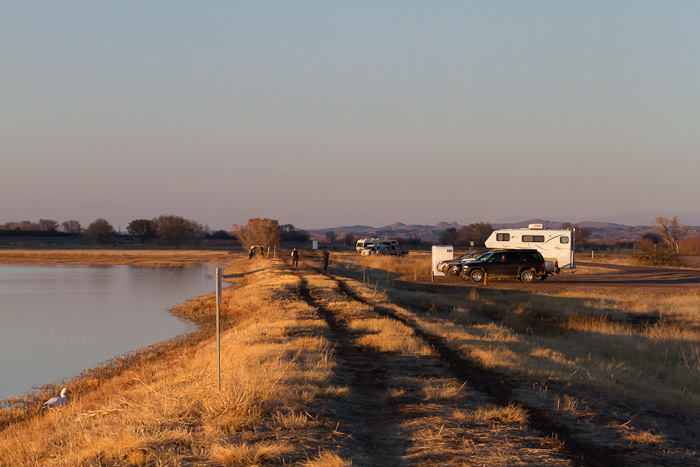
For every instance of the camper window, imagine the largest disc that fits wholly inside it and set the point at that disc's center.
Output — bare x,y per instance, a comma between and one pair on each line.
533,238
563,239
503,237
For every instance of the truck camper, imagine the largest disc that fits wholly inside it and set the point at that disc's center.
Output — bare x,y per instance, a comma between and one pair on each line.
555,245
374,241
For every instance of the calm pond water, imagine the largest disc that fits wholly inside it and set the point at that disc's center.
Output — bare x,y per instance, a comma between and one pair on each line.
56,321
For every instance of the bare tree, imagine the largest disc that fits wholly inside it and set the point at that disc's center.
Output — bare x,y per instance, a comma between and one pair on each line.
671,230
27,226
348,238
72,226
47,225
653,251
330,236
289,233
258,232
582,234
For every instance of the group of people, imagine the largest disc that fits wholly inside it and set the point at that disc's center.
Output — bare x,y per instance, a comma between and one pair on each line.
256,249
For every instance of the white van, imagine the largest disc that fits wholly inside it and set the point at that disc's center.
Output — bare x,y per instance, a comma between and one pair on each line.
556,246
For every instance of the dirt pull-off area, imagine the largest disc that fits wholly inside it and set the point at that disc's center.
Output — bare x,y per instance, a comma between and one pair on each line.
422,406
481,416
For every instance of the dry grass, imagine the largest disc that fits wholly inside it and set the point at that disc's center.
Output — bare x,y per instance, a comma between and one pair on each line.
327,459
166,411
511,414
387,335
279,367
443,389
637,344
383,269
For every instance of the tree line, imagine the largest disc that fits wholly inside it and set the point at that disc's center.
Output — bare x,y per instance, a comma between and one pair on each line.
172,230
659,247
44,225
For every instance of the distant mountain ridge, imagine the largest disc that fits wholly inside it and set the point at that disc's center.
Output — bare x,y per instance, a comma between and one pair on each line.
599,230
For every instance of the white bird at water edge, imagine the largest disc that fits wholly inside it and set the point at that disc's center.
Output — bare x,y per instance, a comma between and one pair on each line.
57,401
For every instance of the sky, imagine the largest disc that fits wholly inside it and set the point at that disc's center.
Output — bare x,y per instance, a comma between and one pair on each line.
324,114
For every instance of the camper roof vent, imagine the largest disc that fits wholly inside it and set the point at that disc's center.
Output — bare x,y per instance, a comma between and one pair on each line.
535,227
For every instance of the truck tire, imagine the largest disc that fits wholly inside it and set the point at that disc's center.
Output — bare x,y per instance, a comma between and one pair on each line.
453,271
477,275
528,275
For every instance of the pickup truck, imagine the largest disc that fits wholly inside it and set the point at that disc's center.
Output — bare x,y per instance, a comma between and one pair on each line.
384,250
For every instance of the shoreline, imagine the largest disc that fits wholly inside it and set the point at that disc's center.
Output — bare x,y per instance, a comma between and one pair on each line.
147,258
191,311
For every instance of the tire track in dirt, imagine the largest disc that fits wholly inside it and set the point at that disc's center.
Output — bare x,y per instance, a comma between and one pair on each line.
368,422
500,390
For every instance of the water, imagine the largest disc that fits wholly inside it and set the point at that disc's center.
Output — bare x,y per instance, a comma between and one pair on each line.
56,321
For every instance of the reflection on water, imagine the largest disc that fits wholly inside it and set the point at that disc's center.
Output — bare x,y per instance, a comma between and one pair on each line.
56,321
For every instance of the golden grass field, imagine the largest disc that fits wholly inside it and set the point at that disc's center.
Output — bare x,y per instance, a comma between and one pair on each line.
371,363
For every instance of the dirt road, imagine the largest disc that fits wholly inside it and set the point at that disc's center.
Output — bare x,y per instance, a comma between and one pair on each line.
607,276
480,416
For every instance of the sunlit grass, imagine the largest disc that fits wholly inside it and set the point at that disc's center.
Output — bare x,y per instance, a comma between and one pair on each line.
274,363
278,363
637,343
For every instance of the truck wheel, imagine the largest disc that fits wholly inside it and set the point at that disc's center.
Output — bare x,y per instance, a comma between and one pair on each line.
403,253
527,276
453,271
476,275
464,275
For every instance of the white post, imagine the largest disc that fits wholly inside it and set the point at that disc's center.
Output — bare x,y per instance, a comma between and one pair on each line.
218,329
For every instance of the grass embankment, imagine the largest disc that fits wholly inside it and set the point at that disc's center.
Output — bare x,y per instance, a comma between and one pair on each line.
167,410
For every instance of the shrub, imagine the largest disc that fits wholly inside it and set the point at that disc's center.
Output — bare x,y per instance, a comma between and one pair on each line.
656,253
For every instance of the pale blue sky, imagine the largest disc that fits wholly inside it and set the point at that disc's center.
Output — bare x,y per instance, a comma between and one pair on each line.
323,114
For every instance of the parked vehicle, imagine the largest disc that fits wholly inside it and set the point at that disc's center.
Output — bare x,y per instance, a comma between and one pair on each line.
369,242
390,250
524,265
454,266
555,246
384,250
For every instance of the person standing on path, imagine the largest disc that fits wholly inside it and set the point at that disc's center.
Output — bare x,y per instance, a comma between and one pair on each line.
295,257
326,257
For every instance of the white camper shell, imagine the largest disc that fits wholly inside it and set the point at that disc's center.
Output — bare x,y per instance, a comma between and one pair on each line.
556,246
369,242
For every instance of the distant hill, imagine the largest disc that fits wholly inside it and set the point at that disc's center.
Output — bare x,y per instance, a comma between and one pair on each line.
431,233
